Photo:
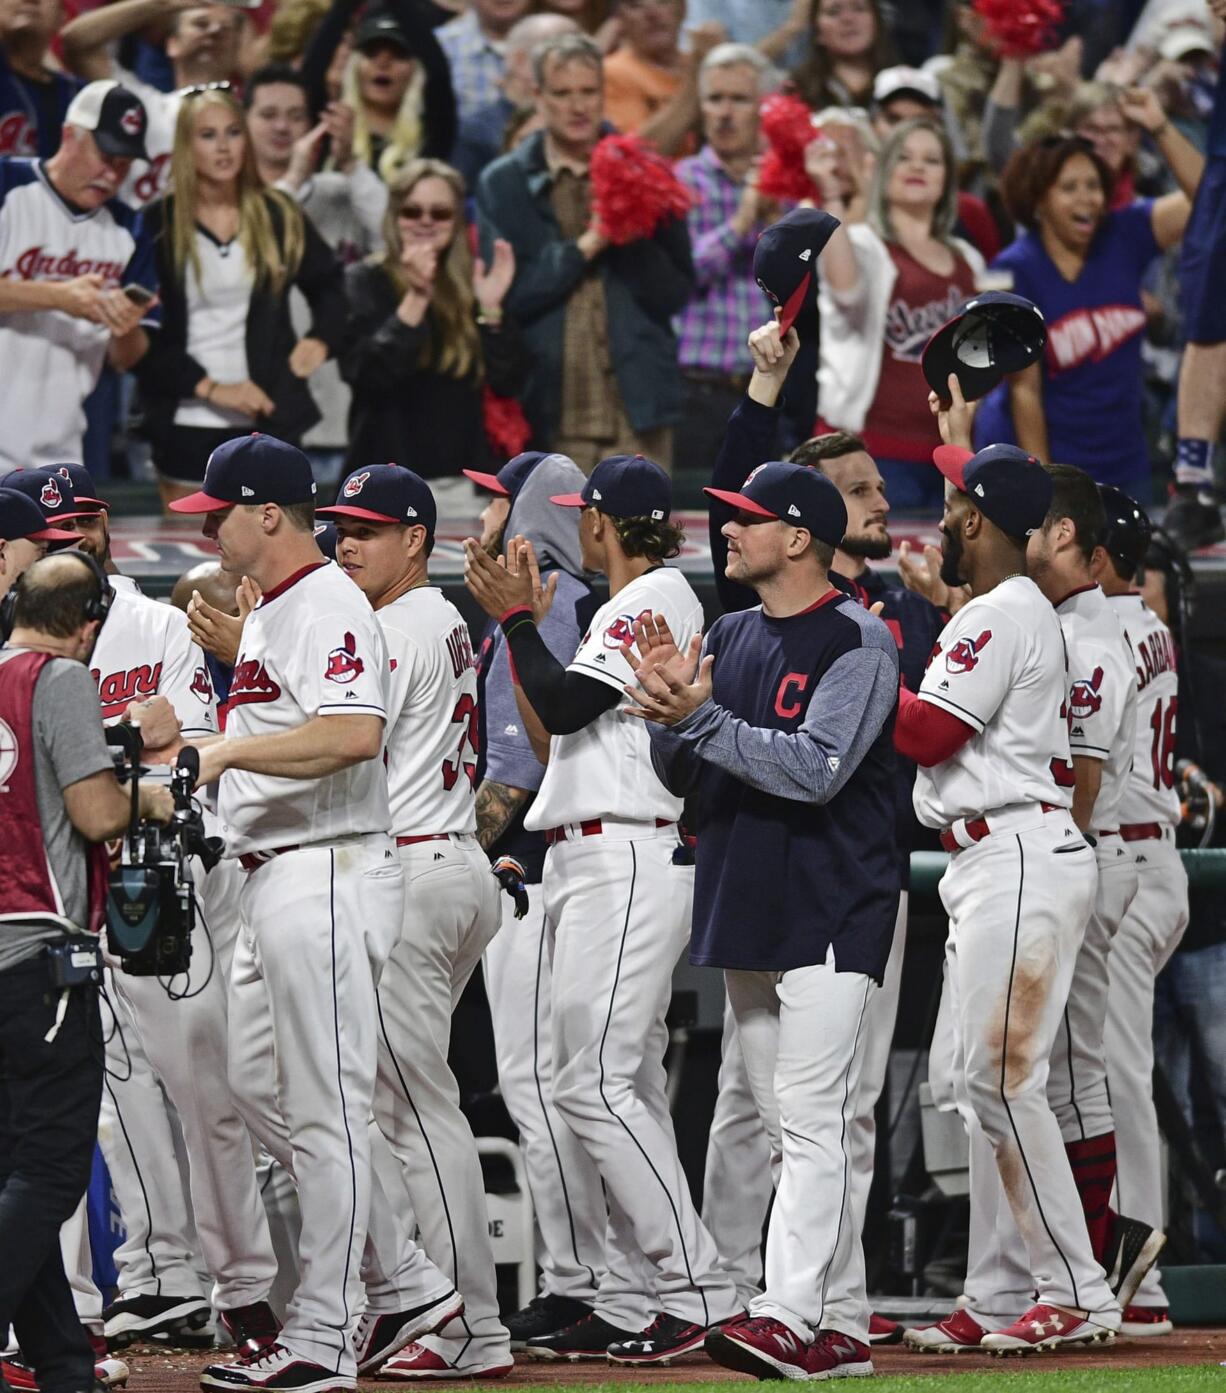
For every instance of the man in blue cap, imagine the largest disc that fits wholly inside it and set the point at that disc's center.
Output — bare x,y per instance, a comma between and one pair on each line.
781,735
989,733
24,536
617,891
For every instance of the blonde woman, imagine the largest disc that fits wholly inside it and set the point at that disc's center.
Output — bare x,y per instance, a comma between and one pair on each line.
225,360
887,284
426,331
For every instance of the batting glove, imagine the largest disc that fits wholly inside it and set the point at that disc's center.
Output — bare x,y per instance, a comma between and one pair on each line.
510,875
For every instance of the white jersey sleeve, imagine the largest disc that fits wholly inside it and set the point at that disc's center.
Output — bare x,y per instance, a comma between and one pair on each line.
341,671
605,769
1151,795
978,658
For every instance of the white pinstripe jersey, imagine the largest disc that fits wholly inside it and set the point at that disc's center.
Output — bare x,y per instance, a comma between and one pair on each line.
1151,795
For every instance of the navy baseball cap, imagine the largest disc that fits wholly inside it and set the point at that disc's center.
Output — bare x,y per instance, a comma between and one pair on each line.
511,477
1008,486
381,27
54,493
83,485
251,469
993,334
785,259
21,517
791,493
385,493
114,115
624,486
325,539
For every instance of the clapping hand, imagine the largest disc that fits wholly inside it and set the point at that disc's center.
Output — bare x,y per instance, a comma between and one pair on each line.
671,684
506,582
491,283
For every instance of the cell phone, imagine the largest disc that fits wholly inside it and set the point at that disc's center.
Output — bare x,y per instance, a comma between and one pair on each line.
139,295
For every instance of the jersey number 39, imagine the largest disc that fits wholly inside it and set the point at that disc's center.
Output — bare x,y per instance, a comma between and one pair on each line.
465,714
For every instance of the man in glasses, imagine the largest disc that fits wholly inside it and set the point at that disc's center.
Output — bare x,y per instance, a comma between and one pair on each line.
202,43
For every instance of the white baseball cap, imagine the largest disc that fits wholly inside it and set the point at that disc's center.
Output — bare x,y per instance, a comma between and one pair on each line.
115,116
1182,39
913,82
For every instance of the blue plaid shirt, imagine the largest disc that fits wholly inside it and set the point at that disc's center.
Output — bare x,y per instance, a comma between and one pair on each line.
727,304
477,63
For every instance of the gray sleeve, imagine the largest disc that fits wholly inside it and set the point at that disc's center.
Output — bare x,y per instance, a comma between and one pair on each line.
68,721
998,134
846,714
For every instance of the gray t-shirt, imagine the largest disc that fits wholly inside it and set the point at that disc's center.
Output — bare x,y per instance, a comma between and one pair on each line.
69,747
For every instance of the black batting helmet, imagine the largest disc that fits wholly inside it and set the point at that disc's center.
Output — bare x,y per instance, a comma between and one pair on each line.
1126,536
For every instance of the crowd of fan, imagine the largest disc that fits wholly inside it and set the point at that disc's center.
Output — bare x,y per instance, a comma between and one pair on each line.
421,274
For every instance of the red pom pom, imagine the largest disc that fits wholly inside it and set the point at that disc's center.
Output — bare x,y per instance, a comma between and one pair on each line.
506,426
788,126
1021,28
634,189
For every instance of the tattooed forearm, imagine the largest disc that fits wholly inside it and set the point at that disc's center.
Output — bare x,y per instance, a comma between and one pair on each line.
497,805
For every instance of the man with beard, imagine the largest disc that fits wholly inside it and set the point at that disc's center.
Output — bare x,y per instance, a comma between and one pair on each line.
989,734
737,1184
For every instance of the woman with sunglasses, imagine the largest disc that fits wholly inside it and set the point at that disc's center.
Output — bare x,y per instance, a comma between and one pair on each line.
1082,263
426,331
225,360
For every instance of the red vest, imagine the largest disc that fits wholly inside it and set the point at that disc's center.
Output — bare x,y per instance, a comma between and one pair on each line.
28,889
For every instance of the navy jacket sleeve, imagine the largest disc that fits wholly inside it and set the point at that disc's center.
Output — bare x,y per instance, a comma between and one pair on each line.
748,442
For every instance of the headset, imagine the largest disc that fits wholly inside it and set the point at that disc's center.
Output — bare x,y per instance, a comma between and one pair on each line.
96,607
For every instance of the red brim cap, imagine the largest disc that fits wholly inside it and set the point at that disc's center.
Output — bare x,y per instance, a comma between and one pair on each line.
342,510
79,513
741,503
200,503
55,534
568,500
795,303
952,460
489,482
99,504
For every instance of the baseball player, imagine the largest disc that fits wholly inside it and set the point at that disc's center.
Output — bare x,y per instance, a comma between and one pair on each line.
782,735
988,732
619,903
385,518
63,307
24,536
567,1195
303,806
1155,922
174,1042
736,1188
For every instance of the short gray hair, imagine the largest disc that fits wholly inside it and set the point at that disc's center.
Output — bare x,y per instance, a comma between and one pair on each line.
565,48
740,56
529,33
946,212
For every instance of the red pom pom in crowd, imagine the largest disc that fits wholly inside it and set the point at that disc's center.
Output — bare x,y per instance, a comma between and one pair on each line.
788,126
1021,29
634,189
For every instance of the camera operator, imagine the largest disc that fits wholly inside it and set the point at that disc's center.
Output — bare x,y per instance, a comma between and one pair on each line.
59,801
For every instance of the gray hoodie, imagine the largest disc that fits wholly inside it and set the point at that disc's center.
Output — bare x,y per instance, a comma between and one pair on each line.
554,533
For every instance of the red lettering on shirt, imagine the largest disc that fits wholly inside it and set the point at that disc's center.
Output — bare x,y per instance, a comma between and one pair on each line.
117,689
460,649
252,684
1157,655
37,264
1090,335
799,680
18,134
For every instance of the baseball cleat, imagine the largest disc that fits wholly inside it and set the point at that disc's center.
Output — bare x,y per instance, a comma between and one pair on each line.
835,1355
416,1362
1146,1321
17,1374
588,1338
252,1328
884,1332
957,1332
162,1319
544,1315
380,1335
761,1346
667,1338
1132,1250
273,1368
1046,1327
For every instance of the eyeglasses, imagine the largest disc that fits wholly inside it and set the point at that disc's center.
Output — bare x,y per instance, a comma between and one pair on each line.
200,89
414,212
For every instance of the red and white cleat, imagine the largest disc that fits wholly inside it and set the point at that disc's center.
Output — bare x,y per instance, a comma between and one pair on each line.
1143,1322
883,1332
417,1363
762,1346
17,1374
835,1355
1046,1327
957,1332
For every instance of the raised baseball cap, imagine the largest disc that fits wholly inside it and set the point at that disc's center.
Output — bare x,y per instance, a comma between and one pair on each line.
1008,486
993,334
380,27
902,80
385,493
21,518
624,486
790,493
251,469
83,485
785,259
511,477
52,492
114,115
